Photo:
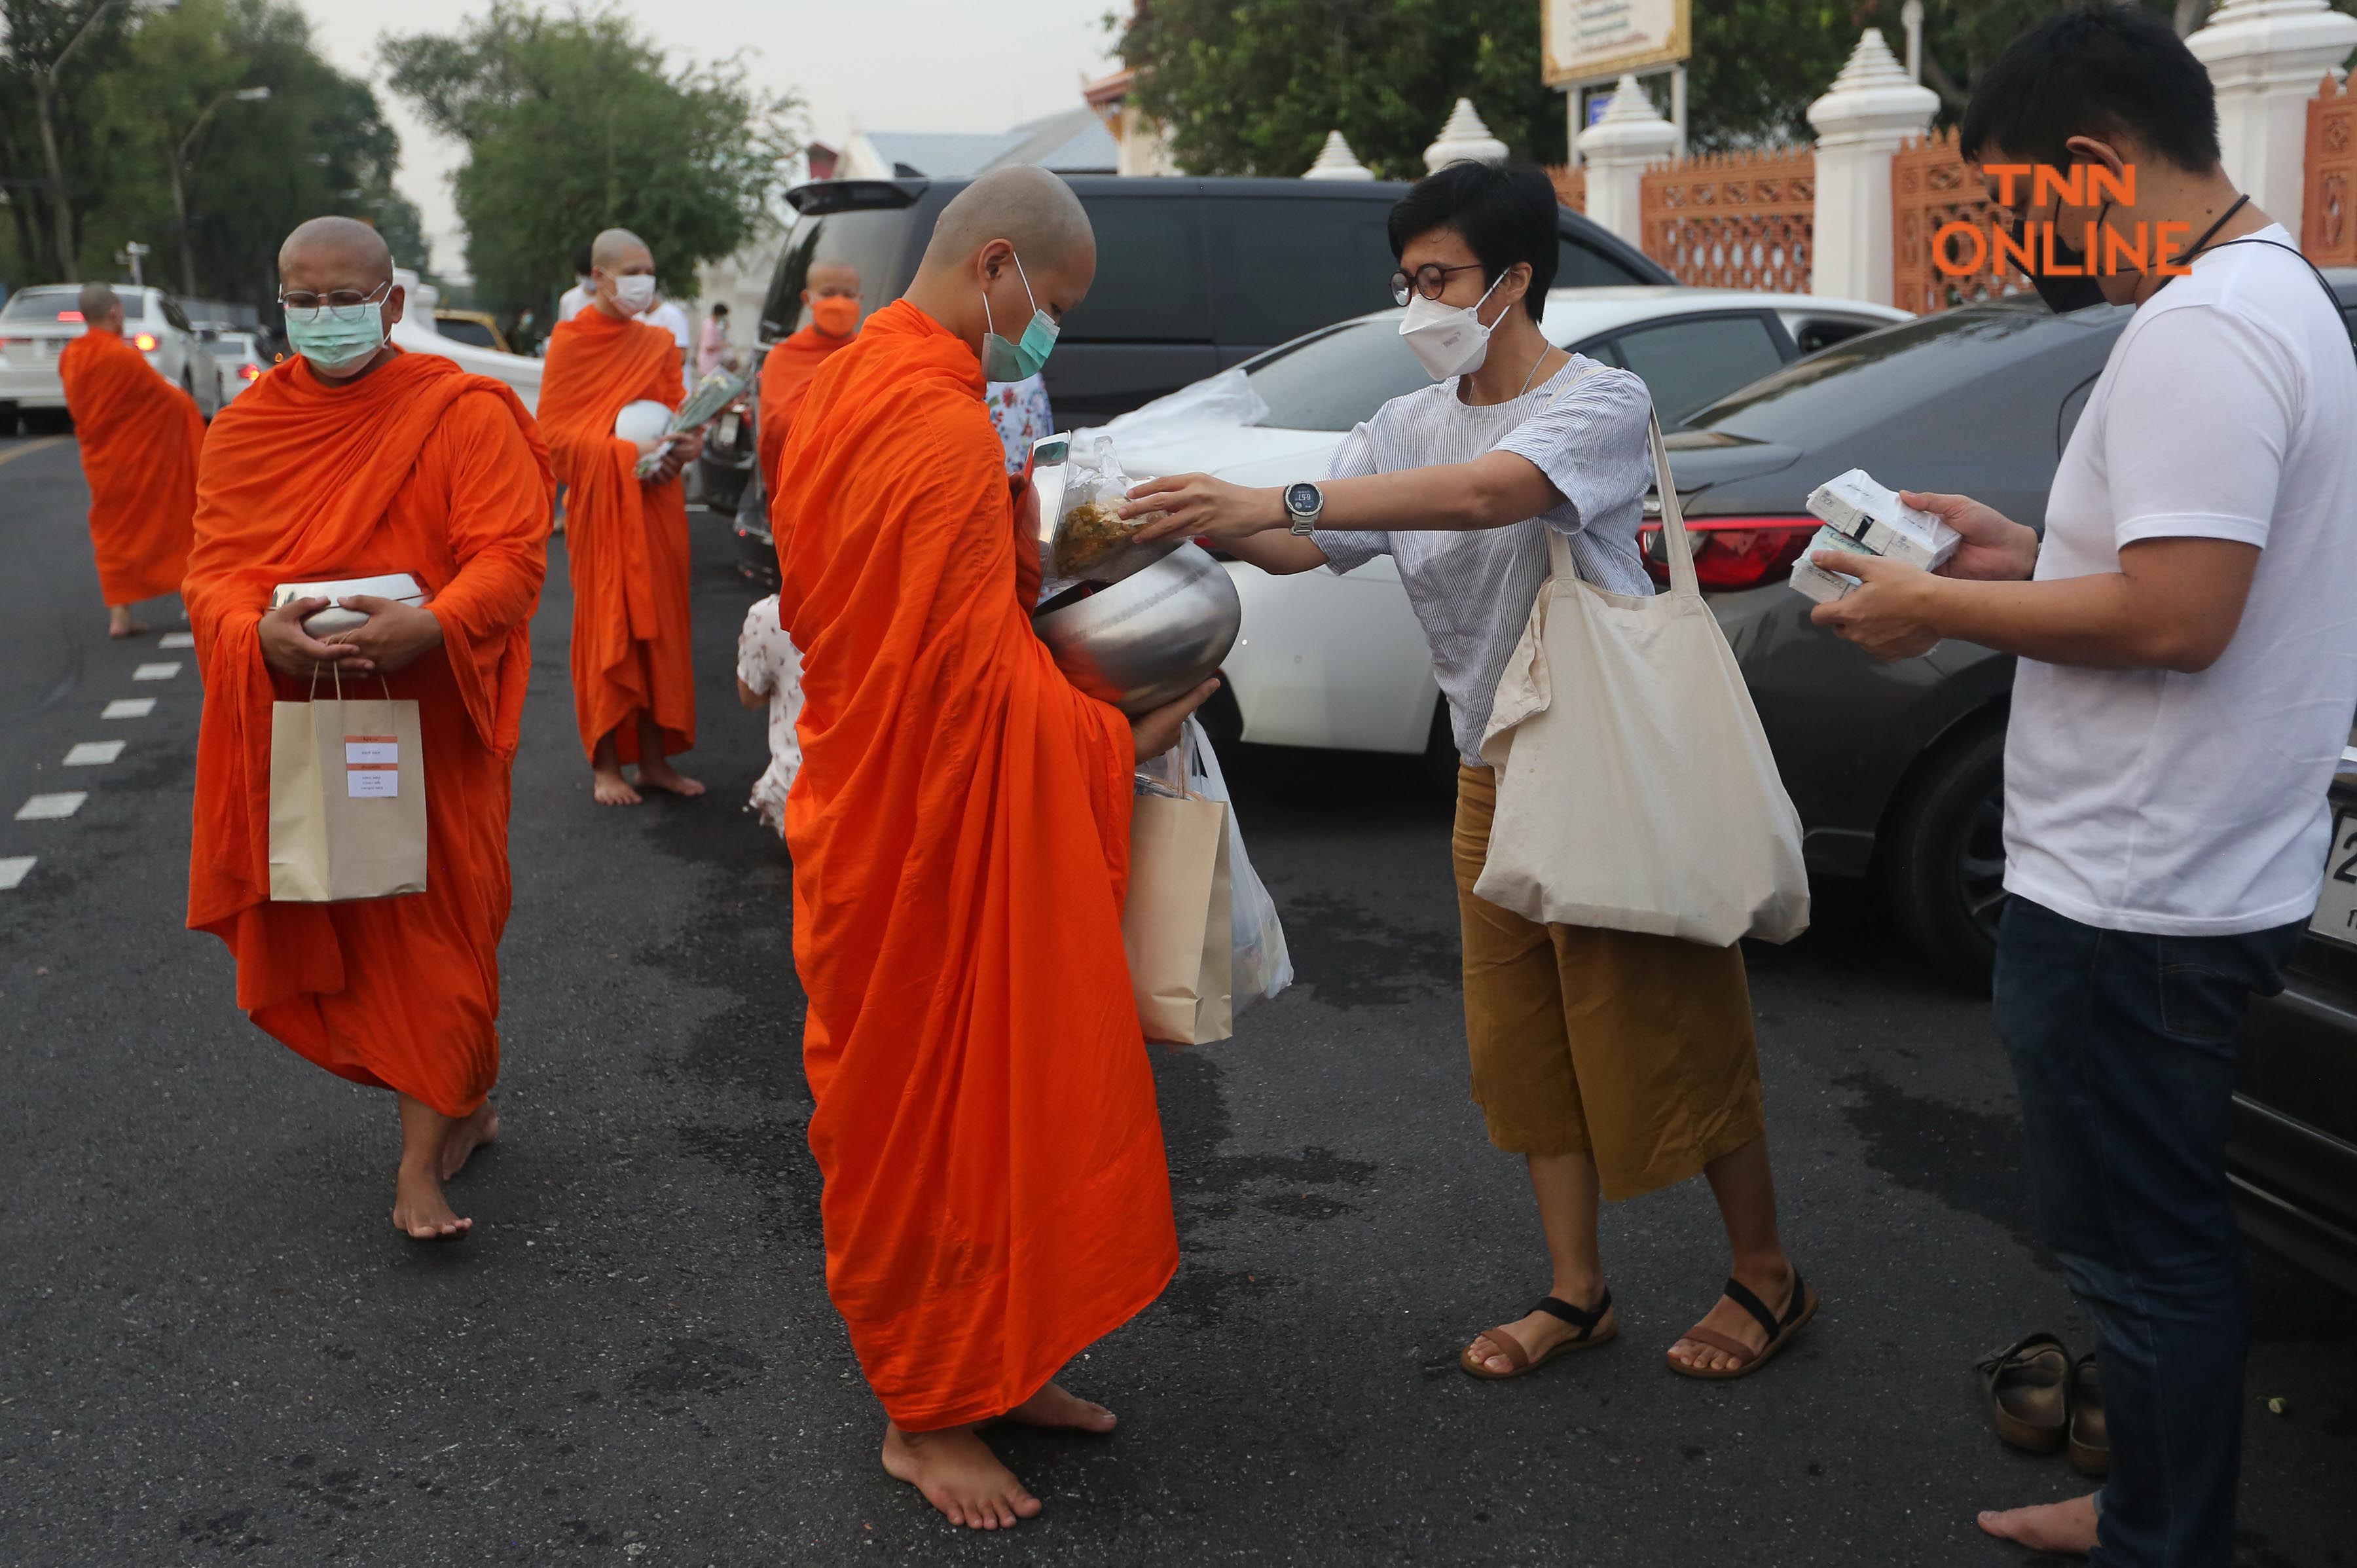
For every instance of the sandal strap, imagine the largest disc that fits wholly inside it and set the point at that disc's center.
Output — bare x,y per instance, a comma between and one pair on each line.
1508,1346
2030,1348
1584,1319
1741,1295
1744,1353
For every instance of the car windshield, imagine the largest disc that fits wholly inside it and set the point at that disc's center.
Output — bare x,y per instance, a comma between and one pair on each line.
58,303
1336,378
1862,381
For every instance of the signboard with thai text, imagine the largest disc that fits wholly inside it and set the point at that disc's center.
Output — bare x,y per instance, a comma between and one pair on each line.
1598,41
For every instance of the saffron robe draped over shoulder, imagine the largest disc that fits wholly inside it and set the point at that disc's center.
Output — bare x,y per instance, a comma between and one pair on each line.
419,467
139,436
997,1194
786,373
627,540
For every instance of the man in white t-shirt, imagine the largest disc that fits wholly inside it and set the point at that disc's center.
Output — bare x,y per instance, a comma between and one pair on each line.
2188,649
575,300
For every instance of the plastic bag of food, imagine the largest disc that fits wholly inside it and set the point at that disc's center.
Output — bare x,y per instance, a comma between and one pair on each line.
1093,542
1262,966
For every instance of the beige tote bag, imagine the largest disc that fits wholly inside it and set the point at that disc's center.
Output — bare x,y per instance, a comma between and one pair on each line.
1635,787
347,800
1179,923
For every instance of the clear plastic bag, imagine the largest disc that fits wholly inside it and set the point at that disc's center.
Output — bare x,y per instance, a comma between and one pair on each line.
1262,966
1092,540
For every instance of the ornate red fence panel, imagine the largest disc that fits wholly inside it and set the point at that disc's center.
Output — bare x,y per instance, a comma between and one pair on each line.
1930,187
1733,219
1570,185
2328,229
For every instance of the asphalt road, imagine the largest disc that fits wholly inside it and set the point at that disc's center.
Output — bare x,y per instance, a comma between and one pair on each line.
214,1347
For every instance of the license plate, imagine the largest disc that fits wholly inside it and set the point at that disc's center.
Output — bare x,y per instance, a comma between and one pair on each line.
2336,908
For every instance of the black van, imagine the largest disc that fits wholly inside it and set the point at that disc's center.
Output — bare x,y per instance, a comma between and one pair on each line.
1193,276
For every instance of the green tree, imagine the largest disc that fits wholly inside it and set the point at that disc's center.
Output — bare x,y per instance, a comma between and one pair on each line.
52,169
574,122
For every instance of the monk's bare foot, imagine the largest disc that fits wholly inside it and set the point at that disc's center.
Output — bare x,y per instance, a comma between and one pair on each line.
960,1476
610,789
119,625
2067,1528
1059,1410
664,776
419,1210
468,1136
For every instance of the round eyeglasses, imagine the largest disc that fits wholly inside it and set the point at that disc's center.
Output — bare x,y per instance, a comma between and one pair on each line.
1428,281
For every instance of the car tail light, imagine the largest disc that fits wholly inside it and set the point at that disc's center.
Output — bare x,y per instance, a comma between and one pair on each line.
1734,552
249,372
69,315
145,342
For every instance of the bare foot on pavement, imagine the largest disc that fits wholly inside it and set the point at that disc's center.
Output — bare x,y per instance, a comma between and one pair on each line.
611,788
664,776
468,1136
419,1210
2067,1528
1057,1409
960,1476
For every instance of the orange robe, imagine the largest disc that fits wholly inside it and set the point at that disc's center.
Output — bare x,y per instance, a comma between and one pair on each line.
139,436
996,1196
415,467
627,539
786,375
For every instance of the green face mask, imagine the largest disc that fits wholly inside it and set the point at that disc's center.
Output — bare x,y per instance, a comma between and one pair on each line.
333,337
1005,362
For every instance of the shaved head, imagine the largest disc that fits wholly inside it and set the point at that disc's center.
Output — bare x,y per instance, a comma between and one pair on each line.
345,244
98,302
615,247
831,277
1024,205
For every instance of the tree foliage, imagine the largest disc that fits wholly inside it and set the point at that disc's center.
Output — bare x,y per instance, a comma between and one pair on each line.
574,122
129,100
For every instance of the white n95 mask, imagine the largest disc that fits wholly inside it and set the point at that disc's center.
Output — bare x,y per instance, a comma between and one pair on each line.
1448,339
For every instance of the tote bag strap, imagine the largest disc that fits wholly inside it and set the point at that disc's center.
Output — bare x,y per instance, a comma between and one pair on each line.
1676,546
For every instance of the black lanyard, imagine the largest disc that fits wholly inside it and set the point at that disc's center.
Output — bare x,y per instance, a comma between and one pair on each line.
2203,245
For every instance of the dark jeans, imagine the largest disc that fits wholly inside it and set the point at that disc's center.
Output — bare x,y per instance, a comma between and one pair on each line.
2124,1046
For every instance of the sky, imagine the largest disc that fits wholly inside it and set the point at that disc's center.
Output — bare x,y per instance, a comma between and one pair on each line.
889,65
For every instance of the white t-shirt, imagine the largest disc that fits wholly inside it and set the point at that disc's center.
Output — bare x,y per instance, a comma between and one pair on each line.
2194,805
673,320
572,301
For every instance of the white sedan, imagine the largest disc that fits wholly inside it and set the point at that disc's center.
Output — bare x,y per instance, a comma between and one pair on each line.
36,324
1341,662
419,333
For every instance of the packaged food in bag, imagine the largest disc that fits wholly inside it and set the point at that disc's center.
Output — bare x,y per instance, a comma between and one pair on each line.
1091,541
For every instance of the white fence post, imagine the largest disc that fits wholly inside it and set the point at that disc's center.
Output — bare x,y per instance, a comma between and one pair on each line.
1870,109
1626,137
2265,58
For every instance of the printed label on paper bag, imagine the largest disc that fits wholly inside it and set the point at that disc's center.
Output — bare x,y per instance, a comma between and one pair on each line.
371,766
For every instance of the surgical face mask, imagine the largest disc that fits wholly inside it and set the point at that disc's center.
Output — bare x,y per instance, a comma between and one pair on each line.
835,314
1005,362
1448,339
634,291
336,337
2063,294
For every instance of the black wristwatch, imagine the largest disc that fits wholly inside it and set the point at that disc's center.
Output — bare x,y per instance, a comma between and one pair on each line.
1304,502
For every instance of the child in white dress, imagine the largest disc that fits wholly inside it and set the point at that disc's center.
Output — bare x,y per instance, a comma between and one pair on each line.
769,671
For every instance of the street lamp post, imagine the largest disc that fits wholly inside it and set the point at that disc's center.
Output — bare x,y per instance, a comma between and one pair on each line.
180,168
132,253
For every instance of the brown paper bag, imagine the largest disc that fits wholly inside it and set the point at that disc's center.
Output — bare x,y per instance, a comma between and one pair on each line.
347,800
1177,924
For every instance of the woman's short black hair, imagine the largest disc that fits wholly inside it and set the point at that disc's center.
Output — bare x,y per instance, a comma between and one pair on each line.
719,307
2094,71
1504,212
582,265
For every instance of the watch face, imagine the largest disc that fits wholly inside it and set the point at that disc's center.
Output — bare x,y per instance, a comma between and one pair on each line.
1302,498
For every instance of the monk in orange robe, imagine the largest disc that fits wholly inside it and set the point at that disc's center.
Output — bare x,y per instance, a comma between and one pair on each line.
633,677
832,301
996,1196
139,436
357,461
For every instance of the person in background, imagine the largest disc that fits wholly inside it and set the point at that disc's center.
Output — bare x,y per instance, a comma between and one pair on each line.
1019,411
139,436
2188,652
575,300
769,671
831,299
1615,1062
668,314
714,350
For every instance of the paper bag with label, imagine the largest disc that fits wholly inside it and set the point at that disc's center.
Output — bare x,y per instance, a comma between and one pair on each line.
347,800
1178,922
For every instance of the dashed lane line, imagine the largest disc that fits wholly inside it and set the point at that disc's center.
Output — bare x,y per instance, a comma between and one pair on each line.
26,450
13,867
93,753
157,672
129,708
49,808
177,639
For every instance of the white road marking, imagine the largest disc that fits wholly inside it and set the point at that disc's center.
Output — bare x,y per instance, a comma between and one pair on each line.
13,869
46,808
129,708
155,671
179,639
92,753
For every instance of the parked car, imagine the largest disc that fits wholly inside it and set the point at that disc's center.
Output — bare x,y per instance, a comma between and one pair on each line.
419,332
238,359
1193,276
36,324
479,328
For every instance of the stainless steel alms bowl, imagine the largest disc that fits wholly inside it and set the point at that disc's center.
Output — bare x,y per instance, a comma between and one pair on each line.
1149,639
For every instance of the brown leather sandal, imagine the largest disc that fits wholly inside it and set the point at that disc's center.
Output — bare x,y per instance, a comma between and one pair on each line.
1780,1331
2025,1387
1584,1319
2091,1441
